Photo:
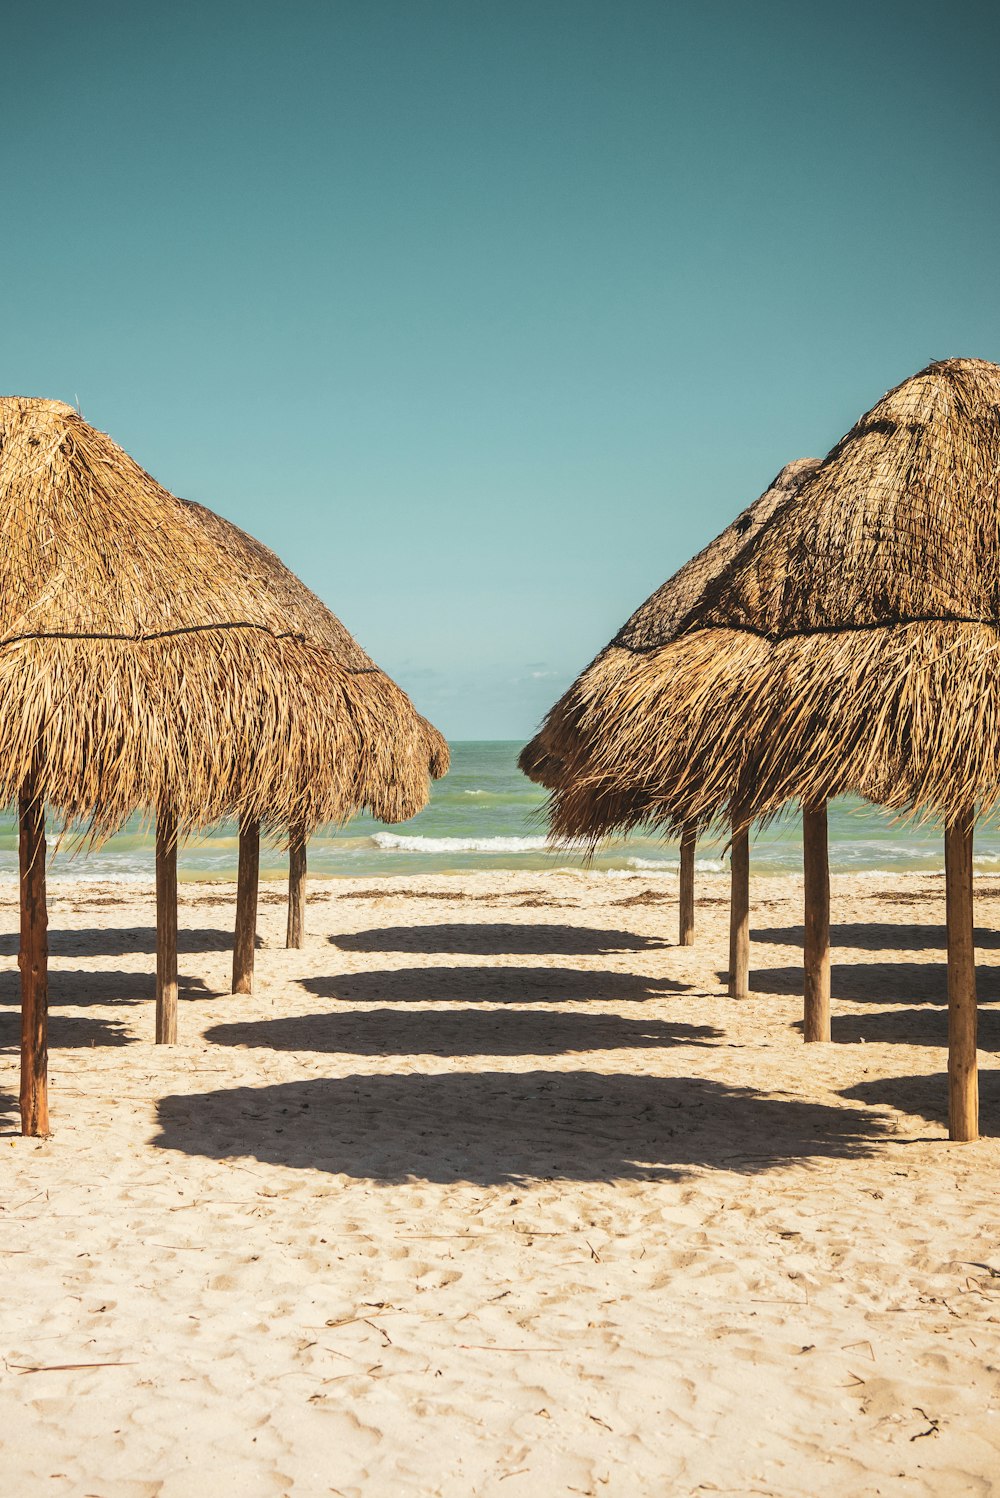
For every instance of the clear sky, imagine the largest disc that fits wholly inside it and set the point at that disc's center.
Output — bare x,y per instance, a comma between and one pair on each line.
486,316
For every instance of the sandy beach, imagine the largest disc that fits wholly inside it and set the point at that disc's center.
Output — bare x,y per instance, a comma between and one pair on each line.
492,1190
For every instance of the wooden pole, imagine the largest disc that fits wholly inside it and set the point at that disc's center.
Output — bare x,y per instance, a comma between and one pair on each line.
739,914
689,838
166,927
33,960
816,956
963,1079
296,888
246,907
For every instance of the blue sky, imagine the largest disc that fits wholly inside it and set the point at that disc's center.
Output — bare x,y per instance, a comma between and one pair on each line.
486,316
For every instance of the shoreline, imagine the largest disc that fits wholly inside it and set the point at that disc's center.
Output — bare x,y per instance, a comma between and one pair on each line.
61,883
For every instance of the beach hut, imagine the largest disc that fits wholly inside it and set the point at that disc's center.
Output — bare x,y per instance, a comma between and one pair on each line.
852,646
141,670
396,752
558,756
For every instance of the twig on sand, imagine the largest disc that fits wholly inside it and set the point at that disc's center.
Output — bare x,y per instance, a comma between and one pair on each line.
65,1367
491,1347
353,1320
194,1248
766,1300
27,1202
994,1274
380,1329
436,1237
933,1425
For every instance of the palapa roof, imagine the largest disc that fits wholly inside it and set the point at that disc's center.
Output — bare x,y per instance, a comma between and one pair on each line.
850,645
550,755
399,748
145,661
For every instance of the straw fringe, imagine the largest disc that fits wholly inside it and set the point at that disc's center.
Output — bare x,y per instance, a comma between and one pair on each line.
397,748
547,757
852,644
157,655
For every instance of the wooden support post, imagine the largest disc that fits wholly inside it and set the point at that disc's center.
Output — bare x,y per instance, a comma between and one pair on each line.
33,960
296,888
166,927
689,838
816,955
739,914
963,1079
246,907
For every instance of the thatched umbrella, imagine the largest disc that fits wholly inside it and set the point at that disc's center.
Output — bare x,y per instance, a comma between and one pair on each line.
852,648
395,755
558,756
140,671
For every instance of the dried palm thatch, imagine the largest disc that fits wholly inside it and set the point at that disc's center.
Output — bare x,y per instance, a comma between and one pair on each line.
145,661
556,756
401,748
851,645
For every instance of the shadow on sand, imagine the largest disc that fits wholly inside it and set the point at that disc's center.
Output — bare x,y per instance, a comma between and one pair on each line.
876,936
896,983
121,941
10,1113
493,1127
66,1030
79,990
926,1026
498,938
494,985
927,1097
864,983
461,1032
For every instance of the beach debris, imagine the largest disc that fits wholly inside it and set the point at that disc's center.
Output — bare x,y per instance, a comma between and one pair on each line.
494,1347
66,1367
387,1340
993,1273
933,1425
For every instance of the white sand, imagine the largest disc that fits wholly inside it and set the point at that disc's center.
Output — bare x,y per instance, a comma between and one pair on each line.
491,1190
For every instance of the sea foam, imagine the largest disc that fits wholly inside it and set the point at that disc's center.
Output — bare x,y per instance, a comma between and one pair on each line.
398,842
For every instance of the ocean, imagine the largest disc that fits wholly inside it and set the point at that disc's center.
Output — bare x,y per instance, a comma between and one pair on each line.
485,815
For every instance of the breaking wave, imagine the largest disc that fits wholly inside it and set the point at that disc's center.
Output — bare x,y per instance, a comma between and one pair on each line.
399,842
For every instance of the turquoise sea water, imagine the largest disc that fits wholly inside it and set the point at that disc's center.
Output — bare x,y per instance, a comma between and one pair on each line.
485,815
